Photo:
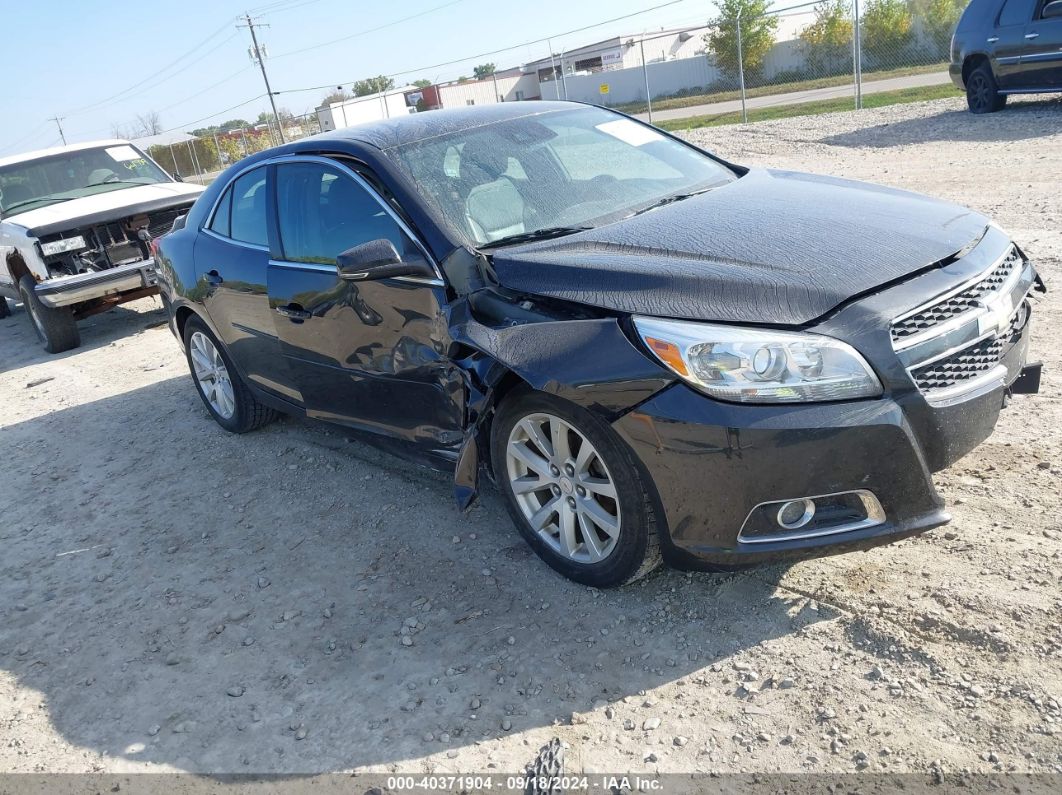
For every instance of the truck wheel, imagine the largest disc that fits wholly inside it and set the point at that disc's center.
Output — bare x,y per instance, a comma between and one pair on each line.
5,310
226,396
574,490
56,328
982,93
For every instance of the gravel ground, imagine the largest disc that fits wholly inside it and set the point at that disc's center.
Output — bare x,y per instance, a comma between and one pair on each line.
175,598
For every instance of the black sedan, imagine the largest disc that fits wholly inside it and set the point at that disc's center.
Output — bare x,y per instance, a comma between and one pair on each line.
652,351
1004,47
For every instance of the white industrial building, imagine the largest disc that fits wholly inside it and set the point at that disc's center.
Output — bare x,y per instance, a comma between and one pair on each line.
372,107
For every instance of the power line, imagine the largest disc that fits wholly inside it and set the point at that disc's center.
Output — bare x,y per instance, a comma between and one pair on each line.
153,75
58,120
542,40
32,134
369,30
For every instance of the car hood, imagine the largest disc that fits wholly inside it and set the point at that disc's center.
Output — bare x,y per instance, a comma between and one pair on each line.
105,206
772,247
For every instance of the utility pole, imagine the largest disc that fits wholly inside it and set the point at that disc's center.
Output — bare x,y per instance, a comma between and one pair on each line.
256,54
58,119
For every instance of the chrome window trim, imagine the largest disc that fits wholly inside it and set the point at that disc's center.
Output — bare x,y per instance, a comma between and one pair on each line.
871,504
234,241
332,270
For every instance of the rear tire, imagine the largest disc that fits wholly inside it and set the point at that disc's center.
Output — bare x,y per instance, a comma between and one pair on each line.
982,92
582,503
56,328
224,393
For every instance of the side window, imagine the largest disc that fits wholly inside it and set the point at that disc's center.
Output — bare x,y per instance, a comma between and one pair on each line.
248,215
1016,12
323,212
220,224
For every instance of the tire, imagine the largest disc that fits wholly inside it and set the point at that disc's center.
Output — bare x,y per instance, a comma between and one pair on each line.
982,92
234,407
5,310
603,560
56,328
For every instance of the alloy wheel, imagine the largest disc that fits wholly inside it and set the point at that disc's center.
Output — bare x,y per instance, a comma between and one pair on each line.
563,488
980,90
212,375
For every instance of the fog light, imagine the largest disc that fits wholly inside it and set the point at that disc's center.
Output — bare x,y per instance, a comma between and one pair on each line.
795,514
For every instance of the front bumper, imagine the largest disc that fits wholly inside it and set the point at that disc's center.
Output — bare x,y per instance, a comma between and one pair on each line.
712,463
69,290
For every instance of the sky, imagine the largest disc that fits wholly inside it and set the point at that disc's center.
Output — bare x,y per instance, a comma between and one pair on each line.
98,63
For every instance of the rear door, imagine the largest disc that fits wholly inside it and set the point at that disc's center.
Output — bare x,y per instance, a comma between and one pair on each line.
1009,43
231,259
1041,63
372,355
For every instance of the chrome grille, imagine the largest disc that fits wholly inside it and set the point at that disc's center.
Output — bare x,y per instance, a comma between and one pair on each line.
959,367
955,305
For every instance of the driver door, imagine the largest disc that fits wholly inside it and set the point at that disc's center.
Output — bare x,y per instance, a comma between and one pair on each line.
368,354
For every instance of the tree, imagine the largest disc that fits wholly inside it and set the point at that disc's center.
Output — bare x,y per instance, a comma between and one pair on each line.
827,41
757,36
339,95
142,126
887,26
422,83
373,85
483,71
938,18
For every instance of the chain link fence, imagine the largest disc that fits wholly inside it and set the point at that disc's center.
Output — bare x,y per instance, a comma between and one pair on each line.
753,56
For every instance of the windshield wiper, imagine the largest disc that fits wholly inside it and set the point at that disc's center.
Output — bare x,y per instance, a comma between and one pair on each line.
677,197
9,208
539,234
117,182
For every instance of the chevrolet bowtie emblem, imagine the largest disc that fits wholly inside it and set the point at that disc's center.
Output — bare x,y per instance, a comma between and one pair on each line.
995,318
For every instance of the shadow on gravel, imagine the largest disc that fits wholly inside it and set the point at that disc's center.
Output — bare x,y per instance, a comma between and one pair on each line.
290,602
19,346
1020,120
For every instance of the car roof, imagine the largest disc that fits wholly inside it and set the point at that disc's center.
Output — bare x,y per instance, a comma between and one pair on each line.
58,150
401,130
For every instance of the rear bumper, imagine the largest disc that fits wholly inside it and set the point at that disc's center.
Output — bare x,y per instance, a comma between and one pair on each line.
712,463
955,73
69,290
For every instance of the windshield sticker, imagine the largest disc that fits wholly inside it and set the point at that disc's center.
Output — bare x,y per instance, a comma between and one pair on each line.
123,154
630,132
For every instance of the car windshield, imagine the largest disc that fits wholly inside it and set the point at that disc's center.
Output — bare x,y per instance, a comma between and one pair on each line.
35,183
553,174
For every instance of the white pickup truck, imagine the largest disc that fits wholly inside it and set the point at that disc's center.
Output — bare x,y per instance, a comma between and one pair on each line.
76,225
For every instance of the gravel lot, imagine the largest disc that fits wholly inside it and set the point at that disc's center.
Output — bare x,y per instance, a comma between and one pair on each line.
175,598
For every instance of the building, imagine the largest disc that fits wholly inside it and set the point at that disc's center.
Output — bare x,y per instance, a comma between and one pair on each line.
621,52
512,85
372,107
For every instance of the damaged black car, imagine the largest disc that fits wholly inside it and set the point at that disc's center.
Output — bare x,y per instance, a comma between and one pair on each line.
652,352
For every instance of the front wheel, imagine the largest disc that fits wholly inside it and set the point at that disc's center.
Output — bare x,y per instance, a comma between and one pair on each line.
56,328
982,92
223,391
574,491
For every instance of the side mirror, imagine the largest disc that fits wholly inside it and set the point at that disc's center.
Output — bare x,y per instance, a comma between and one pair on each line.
177,177
1052,10
378,259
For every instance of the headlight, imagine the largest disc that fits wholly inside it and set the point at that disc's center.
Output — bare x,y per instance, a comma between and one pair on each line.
62,246
753,366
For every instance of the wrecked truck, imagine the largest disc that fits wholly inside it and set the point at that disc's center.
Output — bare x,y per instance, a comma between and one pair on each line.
76,227
653,352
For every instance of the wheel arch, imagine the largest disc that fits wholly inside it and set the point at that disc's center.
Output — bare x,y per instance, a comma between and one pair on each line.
971,62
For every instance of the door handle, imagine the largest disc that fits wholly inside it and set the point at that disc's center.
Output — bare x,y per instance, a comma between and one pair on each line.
993,39
1032,35
294,312
213,278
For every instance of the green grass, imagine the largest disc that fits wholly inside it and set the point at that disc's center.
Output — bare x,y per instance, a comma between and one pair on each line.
878,100
777,88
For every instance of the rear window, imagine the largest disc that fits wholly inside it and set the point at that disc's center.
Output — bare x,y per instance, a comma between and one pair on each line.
979,14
